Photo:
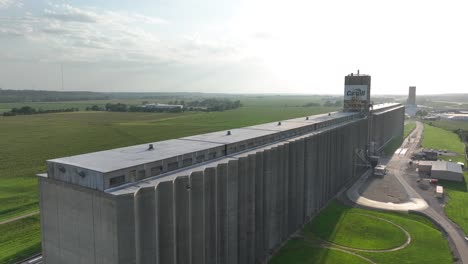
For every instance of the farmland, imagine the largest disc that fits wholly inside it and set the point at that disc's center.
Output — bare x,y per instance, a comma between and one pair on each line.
19,239
28,141
338,235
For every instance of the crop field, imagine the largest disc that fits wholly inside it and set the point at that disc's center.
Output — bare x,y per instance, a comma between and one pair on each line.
28,141
19,239
340,234
257,101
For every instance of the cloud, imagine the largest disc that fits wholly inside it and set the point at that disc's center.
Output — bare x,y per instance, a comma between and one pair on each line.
4,4
69,13
91,35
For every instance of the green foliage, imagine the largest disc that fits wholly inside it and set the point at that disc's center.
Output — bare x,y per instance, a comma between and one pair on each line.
27,110
19,239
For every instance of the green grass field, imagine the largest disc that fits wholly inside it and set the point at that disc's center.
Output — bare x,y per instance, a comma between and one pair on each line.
28,141
450,125
19,239
438,138
456,208
340,224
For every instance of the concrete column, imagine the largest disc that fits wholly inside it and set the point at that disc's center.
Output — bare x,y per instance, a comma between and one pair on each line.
221,214
210,215
267,172
182,220
300,216
251,213
197,213
273,215
292,192
283,227
126,228
308,164
285,188
233,211
242,208
259,197
165,222
145,233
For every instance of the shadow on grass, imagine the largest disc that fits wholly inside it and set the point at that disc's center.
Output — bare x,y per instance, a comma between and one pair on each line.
454,186
325,224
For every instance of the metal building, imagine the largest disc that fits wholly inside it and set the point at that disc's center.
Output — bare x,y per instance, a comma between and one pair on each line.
442,170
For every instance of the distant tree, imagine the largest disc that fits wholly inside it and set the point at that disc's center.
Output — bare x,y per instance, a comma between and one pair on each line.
311,104
421,113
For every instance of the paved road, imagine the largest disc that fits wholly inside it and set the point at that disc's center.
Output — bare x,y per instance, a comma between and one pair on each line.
19,217
398,167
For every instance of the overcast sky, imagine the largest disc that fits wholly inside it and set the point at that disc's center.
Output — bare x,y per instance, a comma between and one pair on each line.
234,46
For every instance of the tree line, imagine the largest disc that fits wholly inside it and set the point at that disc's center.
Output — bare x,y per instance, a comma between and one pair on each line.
208,105
27,110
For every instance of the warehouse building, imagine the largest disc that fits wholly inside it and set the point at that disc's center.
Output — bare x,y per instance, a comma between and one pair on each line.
442,170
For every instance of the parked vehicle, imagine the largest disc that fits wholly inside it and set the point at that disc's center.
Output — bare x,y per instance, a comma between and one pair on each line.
380,170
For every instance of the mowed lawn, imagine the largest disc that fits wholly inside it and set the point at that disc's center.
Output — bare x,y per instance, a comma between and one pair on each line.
456,208
28,141
438,138
359,228
451,124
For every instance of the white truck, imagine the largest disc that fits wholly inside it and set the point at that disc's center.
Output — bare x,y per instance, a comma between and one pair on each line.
380,170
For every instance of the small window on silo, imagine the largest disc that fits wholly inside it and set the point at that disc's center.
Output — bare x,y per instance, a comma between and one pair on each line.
187,162
200,158
172,166
132,175
116,181
156,170
141,174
